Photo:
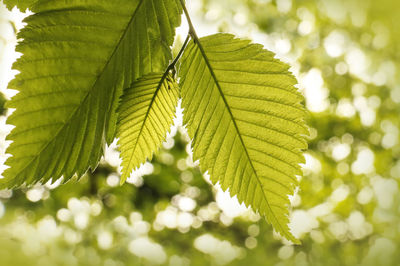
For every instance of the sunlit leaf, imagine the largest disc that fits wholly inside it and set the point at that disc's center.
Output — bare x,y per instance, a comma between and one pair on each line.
77,58
145,115
247,122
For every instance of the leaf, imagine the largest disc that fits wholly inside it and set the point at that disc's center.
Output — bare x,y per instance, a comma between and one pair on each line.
22,5
246,121
77,58
145,115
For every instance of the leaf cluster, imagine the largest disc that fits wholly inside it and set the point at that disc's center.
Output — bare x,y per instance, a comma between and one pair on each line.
95,70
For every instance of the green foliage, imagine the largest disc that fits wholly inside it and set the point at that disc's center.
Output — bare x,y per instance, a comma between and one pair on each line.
244,115
21,4
2,103
241,107
342,216
145,116
76,60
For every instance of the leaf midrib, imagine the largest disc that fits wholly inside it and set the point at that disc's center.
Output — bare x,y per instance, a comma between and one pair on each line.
90,90
203,53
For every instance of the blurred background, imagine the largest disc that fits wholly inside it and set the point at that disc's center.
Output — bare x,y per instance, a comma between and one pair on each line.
345,54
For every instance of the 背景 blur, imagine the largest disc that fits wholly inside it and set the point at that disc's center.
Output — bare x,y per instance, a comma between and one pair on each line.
345,55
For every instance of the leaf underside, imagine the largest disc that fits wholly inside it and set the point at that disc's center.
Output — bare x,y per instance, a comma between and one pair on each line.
247,122
77,58
145,116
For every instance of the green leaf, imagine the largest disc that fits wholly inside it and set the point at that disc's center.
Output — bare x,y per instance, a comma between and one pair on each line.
22,5
247,122
145,115
77,58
